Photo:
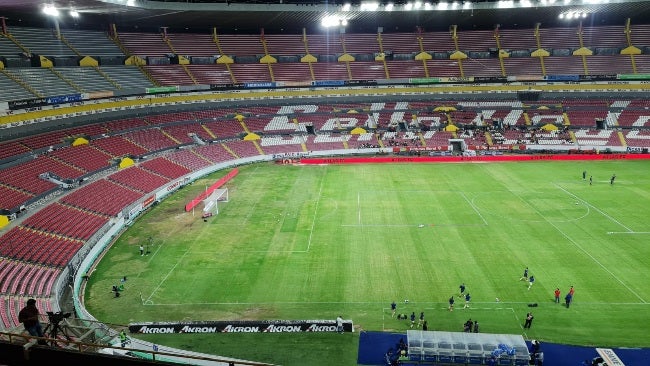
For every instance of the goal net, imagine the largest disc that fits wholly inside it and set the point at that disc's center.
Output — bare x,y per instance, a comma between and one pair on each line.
211,203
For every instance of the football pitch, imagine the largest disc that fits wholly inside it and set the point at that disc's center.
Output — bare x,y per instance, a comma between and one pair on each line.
316,242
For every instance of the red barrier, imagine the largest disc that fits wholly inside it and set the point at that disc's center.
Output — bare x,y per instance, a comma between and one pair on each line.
455,159
211,189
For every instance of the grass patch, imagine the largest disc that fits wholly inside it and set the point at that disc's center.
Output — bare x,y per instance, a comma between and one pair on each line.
313,242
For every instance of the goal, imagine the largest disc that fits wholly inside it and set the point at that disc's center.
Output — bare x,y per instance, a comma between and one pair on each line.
211,203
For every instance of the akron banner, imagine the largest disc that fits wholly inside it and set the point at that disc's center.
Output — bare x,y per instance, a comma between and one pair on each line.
240,326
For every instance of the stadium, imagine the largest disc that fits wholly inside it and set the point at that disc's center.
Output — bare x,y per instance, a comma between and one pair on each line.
292,182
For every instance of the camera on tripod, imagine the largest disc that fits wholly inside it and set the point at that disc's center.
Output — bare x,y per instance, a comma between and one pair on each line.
57,317
55,328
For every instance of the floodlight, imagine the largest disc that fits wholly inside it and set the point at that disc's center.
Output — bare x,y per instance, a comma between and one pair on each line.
74,13
347,7
389,7
369,6
51,10
504,4
331,21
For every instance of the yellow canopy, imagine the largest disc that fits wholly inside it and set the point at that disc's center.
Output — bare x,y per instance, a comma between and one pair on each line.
79,141
443,108
549,127
126,162
4,221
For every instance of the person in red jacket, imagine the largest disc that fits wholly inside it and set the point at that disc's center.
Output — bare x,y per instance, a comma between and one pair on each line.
557,295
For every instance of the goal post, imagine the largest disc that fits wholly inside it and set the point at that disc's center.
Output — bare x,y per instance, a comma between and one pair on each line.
208,190
211,203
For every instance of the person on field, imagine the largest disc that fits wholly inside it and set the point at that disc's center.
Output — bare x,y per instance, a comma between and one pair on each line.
529,320
467,299
393,308
339,324
557,295
451,303
531,281
611,180
524,277
467,327
567,299
462,290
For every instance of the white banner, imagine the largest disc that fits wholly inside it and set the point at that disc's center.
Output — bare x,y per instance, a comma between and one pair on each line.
610,358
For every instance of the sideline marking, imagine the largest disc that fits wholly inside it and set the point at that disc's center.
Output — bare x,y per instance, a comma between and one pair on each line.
252,208
359,208
166,276
594,207
474,207
386,311
607,304
419,225
513,218
580,247
410,225
313,219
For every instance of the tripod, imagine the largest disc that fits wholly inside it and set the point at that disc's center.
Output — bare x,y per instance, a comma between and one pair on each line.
54,329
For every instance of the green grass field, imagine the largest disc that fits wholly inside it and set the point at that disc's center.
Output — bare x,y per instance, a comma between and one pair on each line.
313,242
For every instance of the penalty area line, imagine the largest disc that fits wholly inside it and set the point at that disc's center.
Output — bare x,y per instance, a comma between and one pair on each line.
628,232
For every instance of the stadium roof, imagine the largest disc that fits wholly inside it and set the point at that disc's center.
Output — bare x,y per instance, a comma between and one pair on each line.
292,16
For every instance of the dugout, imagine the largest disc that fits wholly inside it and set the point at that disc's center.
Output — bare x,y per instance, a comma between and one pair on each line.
460,348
